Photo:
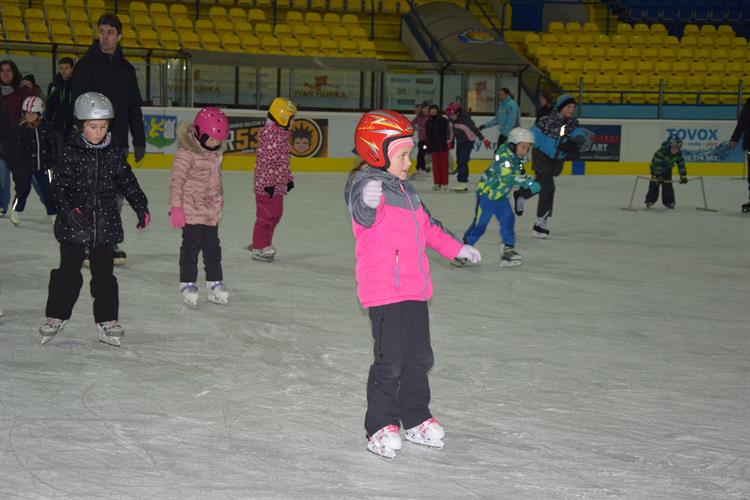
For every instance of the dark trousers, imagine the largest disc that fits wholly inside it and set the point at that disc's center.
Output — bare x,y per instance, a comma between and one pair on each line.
23,180
65,283
421,153
501,140
546,169
748,171
200,238
667,190
397,388
463,154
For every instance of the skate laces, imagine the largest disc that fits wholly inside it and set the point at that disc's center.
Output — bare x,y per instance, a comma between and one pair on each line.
54,322
429,424
388,429
217,286
189,287
108,326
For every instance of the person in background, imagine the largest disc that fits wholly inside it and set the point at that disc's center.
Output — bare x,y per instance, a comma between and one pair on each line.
666,157
419,123
60,101
30,81
743,130
13,96
438,143
465,133
507,116
545,106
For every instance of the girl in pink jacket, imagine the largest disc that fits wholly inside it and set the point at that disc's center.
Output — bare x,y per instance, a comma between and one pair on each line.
196,198
393,229
272,179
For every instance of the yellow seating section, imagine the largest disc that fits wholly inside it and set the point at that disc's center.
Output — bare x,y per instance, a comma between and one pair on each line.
333,28
638,57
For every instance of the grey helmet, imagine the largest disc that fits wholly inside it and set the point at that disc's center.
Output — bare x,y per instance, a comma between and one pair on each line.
93,106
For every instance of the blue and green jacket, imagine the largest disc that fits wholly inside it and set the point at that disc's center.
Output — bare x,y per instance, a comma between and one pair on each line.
664,160
505,173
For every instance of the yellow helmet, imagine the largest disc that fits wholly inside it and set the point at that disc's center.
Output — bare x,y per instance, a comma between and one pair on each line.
282,110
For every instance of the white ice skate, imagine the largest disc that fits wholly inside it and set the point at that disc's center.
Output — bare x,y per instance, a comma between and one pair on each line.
428,433
110,332
189,294
263,254
461,187
14,217
540,231
50,328
217,292
385,442
509,257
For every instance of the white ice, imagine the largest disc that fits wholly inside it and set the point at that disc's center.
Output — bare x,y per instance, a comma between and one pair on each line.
615,362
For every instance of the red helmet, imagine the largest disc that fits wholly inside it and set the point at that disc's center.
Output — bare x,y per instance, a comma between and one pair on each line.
375,131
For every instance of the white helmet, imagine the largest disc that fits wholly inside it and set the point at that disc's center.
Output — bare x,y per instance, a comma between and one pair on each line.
93,106
33,104
520,134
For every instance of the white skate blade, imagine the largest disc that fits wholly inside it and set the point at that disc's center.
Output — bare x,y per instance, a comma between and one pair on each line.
419,439
217,300
540,236
510,263
119,262
191,303
380,450
109,340
47,338
260,258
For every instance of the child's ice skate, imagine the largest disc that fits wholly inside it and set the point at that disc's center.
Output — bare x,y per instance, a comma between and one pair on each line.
669,206
217,292
189,294
14,217
540,229
385,442
263,254
746,208
50,328
461,187
119,256
509,257
110,332
428,433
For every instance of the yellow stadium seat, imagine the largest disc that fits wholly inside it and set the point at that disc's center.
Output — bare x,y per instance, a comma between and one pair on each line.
711,84
569,65
366,48
573,27
670,41
706,42
663,68
158,9
733,68
641,28
163,23
34,15
125,20
351,21
290,46
389,6
556,27
129,37
282,30
337,5
301,31
690,42
600,83
56,15
703,54
242,28
667,54
78,17
297,4
61,34
50,3
680,68
189,40
708,29
321,32
263,30
738,55
37,31
654,41
725,29
549,39
75,5
225,2
183,24
654,81
178,10
590,28
584,40
224,27
597,53
684,54
658,28
644,67
720,55
637,41
217,12
694,83
614,54
622,82
270,44
532,40
606,66
566,39
561,52
138,8
313,18
12,12
82,34
698,67
210,41
579,53
204,26
589,67
675,83
631,54
739,42
620,41
142,20
331,19
310,46
255,15
716,68
293,17
354,5
543,55
339,33
169,40
329,48
231,43
237,14
250,43
728,84
723,42
690,29
626,68
638,82
148,38
650,54
261,4
348,48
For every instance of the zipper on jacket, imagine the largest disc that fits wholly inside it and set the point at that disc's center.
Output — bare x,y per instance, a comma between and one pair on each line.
419,241
398,281
38,151
96,181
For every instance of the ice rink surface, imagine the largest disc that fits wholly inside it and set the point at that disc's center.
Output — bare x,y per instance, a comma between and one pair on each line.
614,363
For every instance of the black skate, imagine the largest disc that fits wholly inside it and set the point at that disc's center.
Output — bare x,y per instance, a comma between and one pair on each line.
669,206
459,262
120,258
539,232
518,203
746,208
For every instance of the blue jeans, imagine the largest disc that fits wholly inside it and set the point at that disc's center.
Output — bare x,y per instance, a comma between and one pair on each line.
485,209
4,185
463,154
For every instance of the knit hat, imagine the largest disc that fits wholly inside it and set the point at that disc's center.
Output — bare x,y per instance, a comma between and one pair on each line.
398,144
563,101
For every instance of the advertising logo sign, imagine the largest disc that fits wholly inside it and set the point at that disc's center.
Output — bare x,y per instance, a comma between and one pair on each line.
309,138
160,130
708,144
601,143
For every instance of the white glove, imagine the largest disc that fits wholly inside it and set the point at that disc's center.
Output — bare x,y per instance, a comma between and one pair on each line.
371,193
470,253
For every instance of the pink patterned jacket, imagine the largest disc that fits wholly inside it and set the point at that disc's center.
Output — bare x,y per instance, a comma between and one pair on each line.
272,159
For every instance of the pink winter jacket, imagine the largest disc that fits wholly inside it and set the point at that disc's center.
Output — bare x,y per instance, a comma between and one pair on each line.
272,159
195,184
392,264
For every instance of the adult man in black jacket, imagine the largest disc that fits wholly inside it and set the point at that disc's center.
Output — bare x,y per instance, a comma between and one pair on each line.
60,101
743,129
104,69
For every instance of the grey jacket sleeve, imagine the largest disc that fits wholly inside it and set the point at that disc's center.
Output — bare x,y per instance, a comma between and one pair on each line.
361,213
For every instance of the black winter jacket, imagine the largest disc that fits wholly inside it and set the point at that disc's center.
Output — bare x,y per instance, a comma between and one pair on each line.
114,77
60,104
8,146
438,134
464,128
743,127
89,179
37,147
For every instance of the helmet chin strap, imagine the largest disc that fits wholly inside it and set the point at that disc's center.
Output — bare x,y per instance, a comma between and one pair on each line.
202,139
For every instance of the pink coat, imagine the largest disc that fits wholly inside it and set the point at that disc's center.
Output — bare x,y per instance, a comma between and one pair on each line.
392,264
272,159
195,184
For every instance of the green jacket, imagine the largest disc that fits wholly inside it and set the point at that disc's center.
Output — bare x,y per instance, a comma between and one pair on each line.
505,173
664,160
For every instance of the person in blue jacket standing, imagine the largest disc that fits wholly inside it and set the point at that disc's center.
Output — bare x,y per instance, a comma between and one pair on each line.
558,137
507,117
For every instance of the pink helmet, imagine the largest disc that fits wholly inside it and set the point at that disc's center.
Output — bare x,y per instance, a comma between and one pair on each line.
453,108
211,123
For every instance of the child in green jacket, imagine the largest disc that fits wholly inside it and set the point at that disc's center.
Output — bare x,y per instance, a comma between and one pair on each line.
505,173
664,159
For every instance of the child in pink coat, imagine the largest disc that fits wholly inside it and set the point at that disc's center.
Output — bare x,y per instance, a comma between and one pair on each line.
393,229
196,199
272,179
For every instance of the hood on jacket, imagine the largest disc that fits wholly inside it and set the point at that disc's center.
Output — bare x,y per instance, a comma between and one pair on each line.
186,140
96,51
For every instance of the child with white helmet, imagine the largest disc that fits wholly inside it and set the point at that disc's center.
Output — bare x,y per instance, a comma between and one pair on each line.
37,156
84,188
196,200
272,179
393,230
503,175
